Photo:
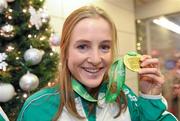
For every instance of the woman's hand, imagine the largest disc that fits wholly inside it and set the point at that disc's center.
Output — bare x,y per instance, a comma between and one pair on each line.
151,79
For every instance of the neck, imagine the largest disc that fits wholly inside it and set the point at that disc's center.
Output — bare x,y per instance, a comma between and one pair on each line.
92,90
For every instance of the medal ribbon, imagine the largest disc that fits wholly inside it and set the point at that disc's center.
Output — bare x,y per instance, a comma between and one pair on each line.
116,81
80,90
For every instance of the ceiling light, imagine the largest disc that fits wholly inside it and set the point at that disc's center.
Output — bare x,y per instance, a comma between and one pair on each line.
164,22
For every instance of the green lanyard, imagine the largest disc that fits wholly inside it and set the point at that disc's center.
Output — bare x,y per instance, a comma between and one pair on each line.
116,80
80,90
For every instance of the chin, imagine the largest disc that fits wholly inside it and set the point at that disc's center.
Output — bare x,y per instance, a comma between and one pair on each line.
92,83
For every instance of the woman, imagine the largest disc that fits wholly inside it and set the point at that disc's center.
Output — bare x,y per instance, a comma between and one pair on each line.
88,48
176,80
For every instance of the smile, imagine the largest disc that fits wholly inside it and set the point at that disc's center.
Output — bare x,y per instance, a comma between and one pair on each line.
92,70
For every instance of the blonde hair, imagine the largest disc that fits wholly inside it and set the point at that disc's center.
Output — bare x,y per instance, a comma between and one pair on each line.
66,90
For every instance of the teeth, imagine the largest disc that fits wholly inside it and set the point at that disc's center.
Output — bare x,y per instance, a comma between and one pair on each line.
91,70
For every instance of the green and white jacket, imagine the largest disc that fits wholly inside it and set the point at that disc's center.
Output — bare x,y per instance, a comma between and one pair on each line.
43,106
3,116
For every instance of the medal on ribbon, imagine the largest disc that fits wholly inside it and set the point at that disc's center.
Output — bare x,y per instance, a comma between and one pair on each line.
132,61
116,78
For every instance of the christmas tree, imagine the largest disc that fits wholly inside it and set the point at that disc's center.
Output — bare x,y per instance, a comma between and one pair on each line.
27,62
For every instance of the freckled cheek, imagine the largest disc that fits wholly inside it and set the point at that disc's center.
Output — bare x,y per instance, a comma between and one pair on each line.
72,59
108,60
75,59
73,65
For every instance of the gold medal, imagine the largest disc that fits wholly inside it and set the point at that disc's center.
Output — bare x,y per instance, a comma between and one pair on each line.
132,61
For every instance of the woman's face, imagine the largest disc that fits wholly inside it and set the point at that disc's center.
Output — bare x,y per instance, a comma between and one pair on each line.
90,51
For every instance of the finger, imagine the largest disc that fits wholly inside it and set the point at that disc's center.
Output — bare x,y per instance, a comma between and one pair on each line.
150,71
152,62
155,78
144,57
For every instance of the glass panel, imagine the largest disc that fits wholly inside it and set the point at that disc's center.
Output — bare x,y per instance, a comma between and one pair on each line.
165,45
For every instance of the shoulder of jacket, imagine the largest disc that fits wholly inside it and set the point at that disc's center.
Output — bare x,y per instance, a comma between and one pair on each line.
44,93
46,96
42,96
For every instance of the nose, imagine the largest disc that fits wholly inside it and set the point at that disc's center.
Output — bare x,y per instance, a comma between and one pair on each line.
95,58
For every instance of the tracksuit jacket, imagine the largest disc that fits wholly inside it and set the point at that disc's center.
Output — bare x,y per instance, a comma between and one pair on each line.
43,106
3,116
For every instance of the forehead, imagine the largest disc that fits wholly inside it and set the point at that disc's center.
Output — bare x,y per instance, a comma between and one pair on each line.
89,26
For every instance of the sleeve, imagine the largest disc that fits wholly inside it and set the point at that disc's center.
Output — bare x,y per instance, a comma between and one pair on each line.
3,116
154,109
25,113
148,107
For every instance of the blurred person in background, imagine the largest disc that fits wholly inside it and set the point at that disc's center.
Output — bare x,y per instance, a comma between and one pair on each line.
176,89
176,81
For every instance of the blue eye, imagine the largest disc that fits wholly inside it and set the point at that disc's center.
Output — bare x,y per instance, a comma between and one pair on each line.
105,48
82,47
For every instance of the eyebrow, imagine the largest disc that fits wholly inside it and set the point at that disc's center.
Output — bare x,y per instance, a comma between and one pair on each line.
106,41
87,41
82,41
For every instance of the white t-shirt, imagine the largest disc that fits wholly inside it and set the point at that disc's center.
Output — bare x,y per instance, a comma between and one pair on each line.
105,113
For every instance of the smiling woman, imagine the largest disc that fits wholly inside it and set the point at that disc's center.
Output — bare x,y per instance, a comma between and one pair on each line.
88,67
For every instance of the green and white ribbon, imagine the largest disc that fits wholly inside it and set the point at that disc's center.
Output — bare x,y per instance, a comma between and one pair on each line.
116,80
80,90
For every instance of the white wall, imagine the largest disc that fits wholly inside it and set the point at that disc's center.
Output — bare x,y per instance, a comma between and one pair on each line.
121,11
157,8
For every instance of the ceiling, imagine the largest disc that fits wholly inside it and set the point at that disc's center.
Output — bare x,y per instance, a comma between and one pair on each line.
142,2
175,17
137,3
